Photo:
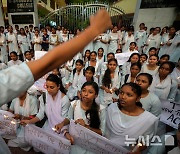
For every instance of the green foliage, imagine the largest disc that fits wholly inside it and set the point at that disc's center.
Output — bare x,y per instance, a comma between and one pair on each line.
42,13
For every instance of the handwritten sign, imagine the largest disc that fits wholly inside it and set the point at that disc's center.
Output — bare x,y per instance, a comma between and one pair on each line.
170,113
123,57
45,141
93,142
7,128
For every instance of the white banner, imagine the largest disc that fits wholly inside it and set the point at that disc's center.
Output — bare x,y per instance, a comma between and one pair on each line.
39,54
40,84
123,57
8,125
6,113
93,142
170,113
45,141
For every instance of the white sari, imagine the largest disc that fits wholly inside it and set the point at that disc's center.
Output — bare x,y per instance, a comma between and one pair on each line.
119,125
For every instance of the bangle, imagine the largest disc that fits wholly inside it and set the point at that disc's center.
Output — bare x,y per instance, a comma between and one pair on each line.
64,132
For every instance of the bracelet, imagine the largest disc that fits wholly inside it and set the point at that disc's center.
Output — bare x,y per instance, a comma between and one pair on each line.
65,131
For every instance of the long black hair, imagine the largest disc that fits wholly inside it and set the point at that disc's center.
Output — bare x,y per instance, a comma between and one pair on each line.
93,112
106,81
54,78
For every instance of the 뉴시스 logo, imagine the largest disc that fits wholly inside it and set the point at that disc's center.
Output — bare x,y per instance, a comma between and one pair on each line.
167,140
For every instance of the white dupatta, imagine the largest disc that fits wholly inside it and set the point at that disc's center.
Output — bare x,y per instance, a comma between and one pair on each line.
119,125
79,113
22,110
161,89
53,110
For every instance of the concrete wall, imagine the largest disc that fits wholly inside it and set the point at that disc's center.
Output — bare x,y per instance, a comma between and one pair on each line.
154,17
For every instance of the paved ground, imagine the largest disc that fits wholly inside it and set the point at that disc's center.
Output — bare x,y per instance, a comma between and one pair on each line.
20,151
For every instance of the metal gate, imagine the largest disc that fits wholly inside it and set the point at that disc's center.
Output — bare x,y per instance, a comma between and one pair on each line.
77,15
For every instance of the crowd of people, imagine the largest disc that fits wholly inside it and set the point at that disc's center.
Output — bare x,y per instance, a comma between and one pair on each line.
111,100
